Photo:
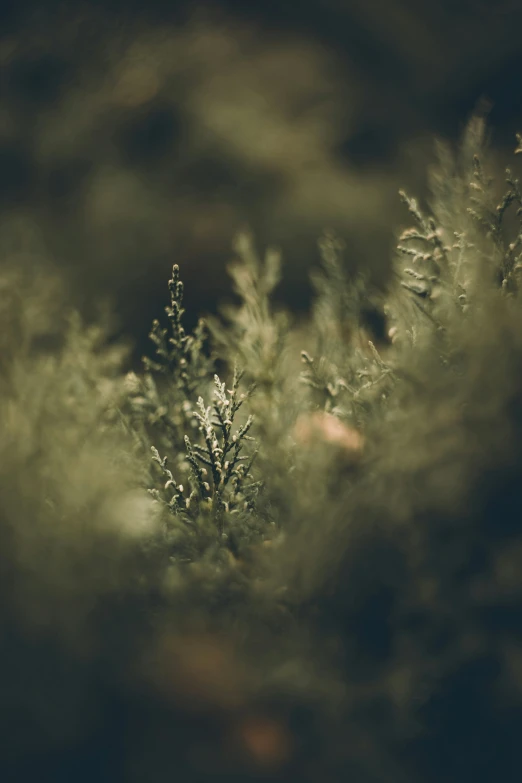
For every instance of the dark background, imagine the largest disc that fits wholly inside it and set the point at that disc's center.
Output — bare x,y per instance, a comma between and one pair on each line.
134,135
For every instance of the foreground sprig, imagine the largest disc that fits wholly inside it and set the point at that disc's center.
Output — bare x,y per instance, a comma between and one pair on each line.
220,478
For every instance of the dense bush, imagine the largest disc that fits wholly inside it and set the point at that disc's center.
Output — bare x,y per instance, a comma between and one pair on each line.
285,550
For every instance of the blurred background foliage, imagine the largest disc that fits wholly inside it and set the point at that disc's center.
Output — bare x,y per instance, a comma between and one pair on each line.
134,135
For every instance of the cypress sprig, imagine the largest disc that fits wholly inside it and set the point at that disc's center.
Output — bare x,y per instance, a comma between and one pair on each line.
218,470
181,357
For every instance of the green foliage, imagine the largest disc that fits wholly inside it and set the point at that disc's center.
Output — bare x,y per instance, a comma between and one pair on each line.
251,331
219,471
349,376
179,355
357,379
182,366
338,501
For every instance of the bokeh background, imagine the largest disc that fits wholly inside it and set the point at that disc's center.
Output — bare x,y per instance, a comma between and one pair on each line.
138,134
